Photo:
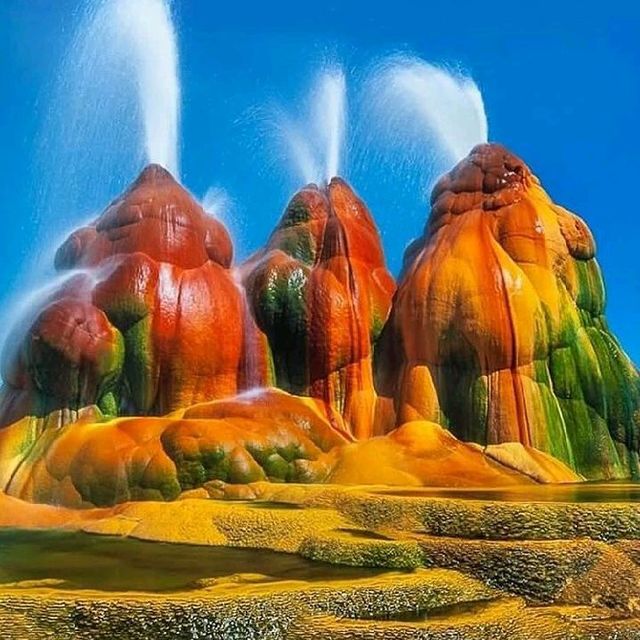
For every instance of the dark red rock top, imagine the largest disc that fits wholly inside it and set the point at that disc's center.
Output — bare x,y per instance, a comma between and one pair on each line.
489,178
155,216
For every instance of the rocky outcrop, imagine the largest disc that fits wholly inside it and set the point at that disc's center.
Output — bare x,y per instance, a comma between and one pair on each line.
425,454
265,435
150,368
498,329
149,318
268,435
321,293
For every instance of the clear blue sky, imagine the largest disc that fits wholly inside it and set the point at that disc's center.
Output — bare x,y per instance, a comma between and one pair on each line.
560,81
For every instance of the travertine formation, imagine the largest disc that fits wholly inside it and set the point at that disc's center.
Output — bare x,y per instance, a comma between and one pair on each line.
498,329
137,326
321,293
266,436
152,368
95,461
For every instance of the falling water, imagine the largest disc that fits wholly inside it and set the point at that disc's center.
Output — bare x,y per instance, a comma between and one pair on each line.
20,315
218,203
315,141
252,370
413,122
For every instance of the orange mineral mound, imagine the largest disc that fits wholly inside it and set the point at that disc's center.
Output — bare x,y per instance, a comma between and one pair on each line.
425,454
320,292
93,461
262,435
498,329
149,371
157,217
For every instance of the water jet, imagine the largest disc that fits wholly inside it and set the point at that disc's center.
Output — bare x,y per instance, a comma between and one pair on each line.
419,119
315,140
114,107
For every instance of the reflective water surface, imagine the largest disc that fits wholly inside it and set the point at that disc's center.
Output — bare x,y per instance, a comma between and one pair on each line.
582,492
107,563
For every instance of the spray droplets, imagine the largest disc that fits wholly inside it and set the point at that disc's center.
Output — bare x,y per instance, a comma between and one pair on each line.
144,37
330,118
315,142
430,115
422,107
115,107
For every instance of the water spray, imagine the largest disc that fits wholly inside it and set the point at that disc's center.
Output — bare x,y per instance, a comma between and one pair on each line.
315,142
419,118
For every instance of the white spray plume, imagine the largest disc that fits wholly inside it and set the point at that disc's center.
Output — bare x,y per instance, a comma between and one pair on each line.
315,142
329,118
143,37
425,117
217,202
115,107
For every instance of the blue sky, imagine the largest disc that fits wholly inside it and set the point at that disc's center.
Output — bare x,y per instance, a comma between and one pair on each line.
560,83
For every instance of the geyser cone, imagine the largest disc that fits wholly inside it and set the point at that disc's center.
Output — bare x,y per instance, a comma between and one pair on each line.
320,291
155,216
154,322
160,329
498,327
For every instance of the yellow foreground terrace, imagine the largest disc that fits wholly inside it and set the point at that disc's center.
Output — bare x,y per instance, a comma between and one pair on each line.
284,561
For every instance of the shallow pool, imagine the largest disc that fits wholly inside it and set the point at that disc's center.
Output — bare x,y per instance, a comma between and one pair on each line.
107,563
581,492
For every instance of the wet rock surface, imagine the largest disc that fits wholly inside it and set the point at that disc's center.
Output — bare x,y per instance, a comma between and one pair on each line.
321,293
498,330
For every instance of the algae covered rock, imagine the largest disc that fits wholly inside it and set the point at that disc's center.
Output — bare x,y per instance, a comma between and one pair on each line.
91,460
148,320
321,293
491,365
498,330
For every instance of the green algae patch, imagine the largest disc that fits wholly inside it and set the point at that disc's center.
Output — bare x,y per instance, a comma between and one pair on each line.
491,519
361,549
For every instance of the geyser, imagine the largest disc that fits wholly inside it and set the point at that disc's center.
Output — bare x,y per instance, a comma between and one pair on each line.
330,103
315,142
146,27
427,116
115,107
136,39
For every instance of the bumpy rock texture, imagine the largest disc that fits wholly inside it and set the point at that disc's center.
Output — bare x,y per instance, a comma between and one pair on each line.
151,368
498,329
147,319
94,461
321,293
263,436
